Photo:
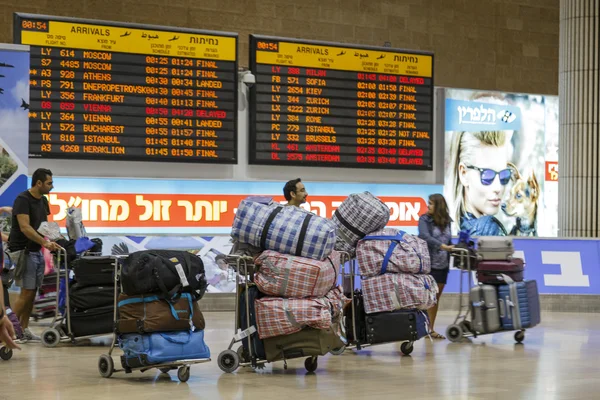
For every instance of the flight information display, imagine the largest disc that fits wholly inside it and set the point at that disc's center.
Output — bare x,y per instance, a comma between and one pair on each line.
129,92
327,104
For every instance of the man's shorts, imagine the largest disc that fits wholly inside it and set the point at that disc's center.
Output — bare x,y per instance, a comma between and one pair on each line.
34,271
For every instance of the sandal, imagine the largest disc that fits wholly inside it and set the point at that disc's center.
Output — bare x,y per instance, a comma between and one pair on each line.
435,335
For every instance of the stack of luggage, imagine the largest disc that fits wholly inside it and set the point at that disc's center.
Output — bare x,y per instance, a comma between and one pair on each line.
394,268
295,304
91,296
502,300
159,319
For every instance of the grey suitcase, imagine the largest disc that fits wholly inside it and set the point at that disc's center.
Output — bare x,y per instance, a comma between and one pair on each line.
495,248
484,307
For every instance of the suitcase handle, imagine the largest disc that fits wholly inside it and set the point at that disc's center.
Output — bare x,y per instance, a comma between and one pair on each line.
176,341
501,306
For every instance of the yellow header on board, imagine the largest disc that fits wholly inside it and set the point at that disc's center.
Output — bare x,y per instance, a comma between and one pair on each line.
275,52
132,40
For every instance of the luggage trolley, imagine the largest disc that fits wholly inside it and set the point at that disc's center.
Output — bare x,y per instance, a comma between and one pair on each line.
229,360
60,328
406,347
462,327
106,366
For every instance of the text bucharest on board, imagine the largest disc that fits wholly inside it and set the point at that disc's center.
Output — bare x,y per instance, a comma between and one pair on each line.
123,92
323,104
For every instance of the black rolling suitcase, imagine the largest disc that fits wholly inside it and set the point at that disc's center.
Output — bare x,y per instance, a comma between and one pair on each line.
396,326
95,321
89,297
94,271
258,348
361,329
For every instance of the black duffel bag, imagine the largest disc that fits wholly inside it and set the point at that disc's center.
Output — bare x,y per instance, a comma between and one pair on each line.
165,272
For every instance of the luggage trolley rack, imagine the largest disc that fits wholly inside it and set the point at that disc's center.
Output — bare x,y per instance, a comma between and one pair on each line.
462,327
406,347
229,360
106,366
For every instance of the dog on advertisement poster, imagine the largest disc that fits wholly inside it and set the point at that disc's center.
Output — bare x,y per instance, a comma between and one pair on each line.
522,203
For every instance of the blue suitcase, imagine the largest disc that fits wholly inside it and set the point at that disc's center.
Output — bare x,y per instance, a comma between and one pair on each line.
140,350
519,304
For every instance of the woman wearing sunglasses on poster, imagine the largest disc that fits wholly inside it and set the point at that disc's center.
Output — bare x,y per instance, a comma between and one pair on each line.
479,161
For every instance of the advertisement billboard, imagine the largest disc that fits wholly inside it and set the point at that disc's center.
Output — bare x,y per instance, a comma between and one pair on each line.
14,122
501,163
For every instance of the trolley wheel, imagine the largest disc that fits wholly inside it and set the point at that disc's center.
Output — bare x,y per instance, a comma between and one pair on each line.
406,348
454,333
183,373
338,351
243,354
50,337
106,367
164,370
311,364
466,326
520,336
228,361
6,353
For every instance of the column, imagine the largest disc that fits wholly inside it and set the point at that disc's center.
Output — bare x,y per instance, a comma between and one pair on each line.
579,115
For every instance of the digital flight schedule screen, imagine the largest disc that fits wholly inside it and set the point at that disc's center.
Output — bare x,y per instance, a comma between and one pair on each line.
336,105
129,92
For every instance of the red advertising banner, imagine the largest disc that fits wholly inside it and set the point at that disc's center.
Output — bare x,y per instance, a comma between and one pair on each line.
126,210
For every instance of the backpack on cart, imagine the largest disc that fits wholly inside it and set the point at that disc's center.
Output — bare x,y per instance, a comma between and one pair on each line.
166,272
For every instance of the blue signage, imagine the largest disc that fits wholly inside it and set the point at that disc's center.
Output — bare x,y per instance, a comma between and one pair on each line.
474,116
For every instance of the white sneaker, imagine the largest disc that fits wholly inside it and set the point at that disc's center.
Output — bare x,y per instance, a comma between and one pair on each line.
30,336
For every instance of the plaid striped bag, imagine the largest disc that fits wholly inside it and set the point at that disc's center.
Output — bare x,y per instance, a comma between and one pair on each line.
391,250
277,316
290,276
358,215
287,230
389,292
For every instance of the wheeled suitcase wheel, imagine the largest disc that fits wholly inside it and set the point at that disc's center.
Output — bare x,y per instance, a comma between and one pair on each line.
228,361
406,348
6,353
454,333
311,364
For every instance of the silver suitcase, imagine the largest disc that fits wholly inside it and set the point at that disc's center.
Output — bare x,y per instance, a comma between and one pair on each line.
495,248
484,307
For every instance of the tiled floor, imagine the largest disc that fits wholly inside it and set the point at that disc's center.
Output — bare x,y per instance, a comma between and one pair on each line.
558,360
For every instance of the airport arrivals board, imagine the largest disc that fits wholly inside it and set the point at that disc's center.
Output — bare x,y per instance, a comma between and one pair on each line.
113,91
336,105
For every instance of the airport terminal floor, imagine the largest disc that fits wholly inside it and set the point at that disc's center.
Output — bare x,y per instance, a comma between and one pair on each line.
558,360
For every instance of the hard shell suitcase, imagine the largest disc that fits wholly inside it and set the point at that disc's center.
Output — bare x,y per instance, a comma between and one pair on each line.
396,326
155,348
491,272
484,308
95,321
83,298
258,349
145,314
307,342
94,271
519,304
495,248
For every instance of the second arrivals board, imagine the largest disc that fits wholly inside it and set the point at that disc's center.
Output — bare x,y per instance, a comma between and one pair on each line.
327,104
108,90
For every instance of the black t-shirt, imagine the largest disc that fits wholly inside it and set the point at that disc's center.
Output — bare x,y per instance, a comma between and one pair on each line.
38,211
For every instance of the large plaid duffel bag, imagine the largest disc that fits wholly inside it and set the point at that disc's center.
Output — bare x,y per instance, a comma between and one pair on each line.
277,316
290,276
357,216
389,292
285,229
391,250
